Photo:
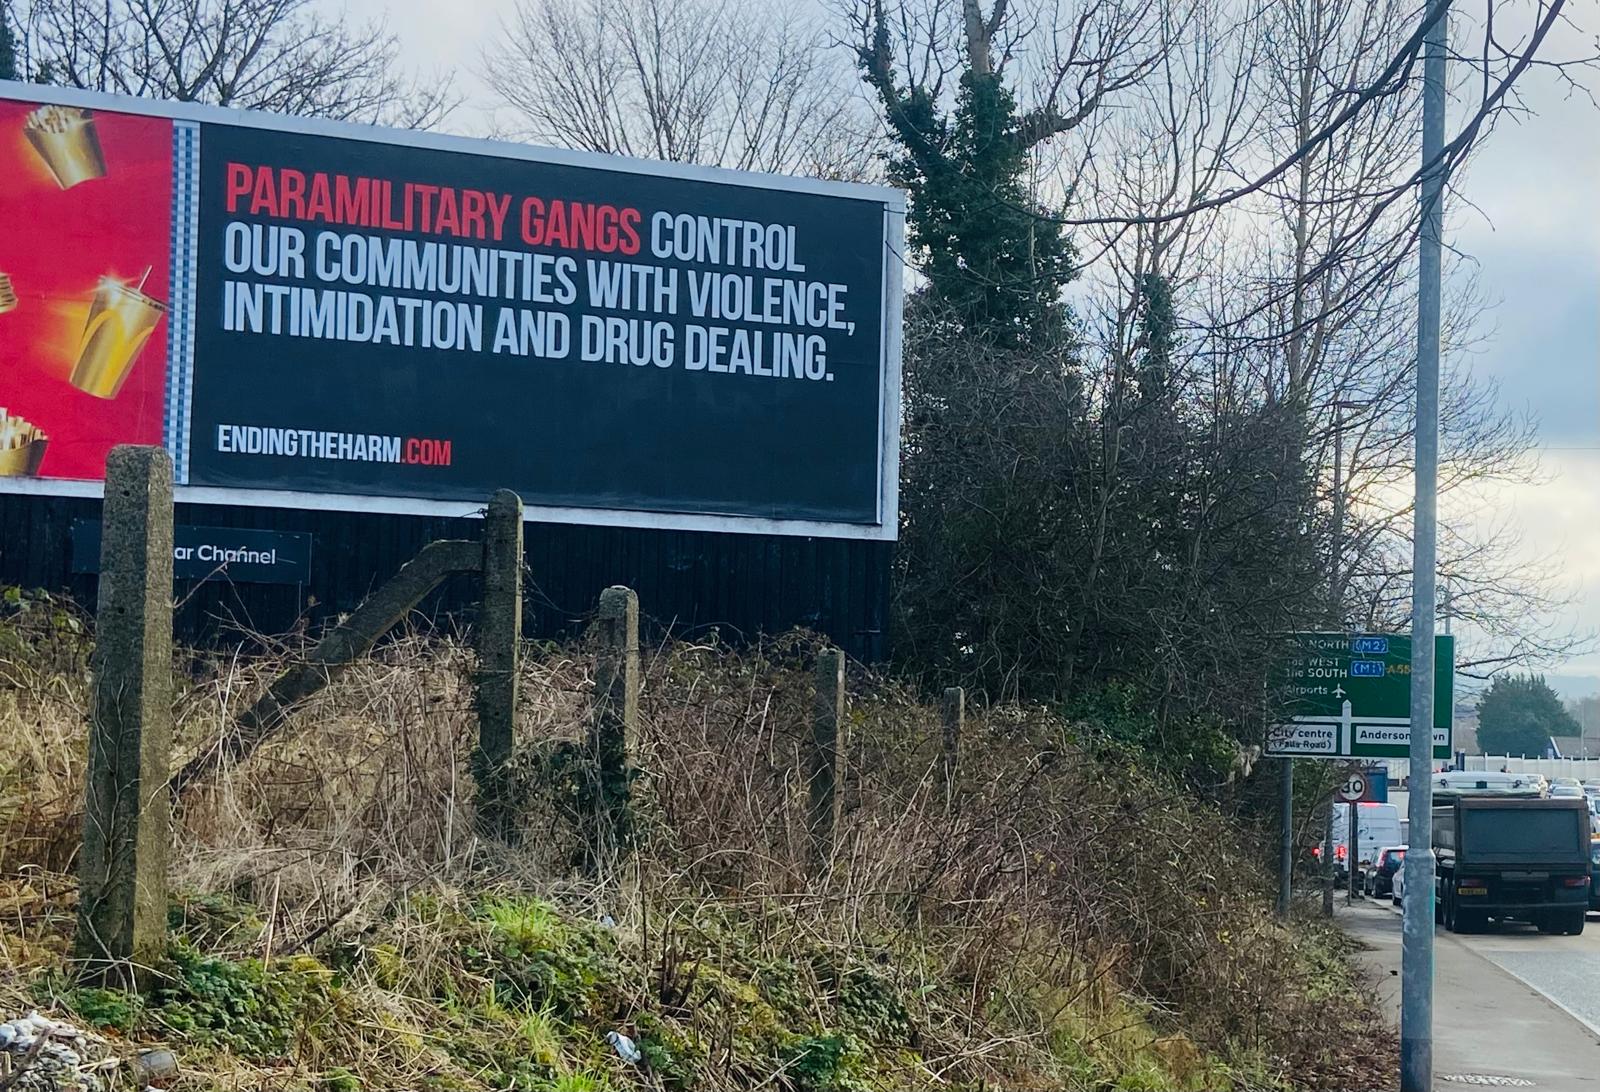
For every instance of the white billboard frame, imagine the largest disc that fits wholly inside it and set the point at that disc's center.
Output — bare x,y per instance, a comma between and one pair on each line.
893,200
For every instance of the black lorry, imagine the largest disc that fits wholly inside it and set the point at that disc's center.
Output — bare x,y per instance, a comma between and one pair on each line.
1505,858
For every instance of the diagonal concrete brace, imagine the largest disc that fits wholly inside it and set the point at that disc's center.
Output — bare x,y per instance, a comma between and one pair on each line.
342,646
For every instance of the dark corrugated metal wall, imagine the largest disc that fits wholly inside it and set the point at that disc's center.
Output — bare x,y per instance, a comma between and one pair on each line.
688,580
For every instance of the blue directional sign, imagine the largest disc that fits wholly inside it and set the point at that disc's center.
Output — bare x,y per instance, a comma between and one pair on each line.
1368,669
1370,646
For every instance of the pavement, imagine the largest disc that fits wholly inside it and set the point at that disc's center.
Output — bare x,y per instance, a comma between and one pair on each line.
1512,1009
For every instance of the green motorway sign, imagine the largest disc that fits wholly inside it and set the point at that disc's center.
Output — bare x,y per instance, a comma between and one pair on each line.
1344,695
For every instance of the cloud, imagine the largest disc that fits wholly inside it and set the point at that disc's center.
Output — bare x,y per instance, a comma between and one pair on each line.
1536,242
1561,516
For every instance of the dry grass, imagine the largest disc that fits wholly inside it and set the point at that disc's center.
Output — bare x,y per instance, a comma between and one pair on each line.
1059,917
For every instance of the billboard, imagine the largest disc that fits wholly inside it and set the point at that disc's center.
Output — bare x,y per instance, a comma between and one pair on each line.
312,314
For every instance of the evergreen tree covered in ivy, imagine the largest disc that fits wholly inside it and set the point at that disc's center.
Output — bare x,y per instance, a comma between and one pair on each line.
8,45
1075,519
991,259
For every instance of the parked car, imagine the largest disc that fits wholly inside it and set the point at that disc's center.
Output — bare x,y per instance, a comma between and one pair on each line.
1380,874
1567,792
1398,883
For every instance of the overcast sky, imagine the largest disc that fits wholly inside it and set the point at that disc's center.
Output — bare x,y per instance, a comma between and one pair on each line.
1534,233
1536,238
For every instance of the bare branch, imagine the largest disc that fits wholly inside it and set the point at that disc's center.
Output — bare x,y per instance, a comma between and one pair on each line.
277,55
707,81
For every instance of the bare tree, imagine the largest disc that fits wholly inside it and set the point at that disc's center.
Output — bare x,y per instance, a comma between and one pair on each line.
1341,303
1151,498
1299,290
1494,61
717,82
285,56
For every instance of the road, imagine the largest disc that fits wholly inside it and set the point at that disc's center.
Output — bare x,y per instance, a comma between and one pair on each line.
1566,970
1510,1005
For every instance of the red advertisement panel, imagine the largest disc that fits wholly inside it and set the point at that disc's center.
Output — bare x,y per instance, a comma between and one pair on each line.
85,259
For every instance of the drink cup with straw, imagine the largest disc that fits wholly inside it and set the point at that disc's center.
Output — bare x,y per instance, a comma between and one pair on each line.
121,319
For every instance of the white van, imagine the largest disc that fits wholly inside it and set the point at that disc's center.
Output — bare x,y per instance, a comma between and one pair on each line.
1378,826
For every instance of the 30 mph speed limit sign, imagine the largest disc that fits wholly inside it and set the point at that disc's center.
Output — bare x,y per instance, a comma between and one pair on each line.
1352,789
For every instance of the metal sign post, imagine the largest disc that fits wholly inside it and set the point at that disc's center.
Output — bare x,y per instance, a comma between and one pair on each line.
1416,982
1286,841
1354,891
1352,792
1327,863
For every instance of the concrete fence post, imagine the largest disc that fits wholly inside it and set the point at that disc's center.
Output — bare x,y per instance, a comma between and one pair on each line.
614,727
827,723
499,644
122,907
953,715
